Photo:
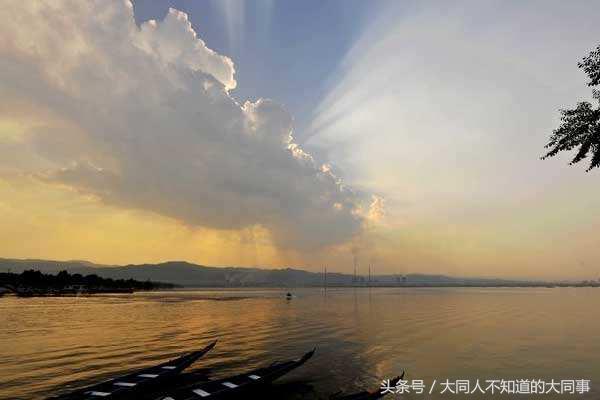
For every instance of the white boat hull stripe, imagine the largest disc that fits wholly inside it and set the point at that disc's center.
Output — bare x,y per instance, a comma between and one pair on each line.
168,367
125,384
201,393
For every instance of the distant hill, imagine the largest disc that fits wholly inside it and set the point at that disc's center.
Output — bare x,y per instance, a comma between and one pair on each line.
194,275
49,266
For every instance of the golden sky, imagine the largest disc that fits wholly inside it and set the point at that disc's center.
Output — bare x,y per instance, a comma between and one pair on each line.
53,222
46,221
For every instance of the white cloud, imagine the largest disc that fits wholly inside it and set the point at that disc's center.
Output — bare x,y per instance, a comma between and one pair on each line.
174,41
142,117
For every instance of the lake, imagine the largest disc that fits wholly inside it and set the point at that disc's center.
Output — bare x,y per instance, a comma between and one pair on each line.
51,345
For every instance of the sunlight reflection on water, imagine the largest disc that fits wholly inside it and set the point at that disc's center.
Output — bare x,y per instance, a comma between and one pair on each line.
49,345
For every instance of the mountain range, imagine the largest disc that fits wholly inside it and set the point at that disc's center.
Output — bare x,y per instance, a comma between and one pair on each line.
193,275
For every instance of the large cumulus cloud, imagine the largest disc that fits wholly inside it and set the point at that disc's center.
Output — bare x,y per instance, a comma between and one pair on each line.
142,117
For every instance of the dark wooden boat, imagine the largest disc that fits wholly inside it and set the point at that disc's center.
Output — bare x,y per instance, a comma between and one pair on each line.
139,382
238,384
367,395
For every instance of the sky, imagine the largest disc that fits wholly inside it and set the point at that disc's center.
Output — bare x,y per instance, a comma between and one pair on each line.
404,135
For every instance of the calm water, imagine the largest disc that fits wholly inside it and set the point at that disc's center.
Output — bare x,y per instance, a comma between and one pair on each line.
49,345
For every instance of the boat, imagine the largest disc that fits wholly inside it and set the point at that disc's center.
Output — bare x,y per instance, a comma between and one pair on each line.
367,395
139,382
238,384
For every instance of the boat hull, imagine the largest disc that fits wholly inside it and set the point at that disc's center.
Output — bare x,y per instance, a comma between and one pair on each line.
139,382
238,384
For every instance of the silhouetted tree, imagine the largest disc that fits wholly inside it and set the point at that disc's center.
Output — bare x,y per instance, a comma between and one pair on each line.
62,278
33,278
39,280
580,127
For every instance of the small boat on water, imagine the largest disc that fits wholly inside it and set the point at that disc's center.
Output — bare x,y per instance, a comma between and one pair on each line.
238,384
134,384
367,395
